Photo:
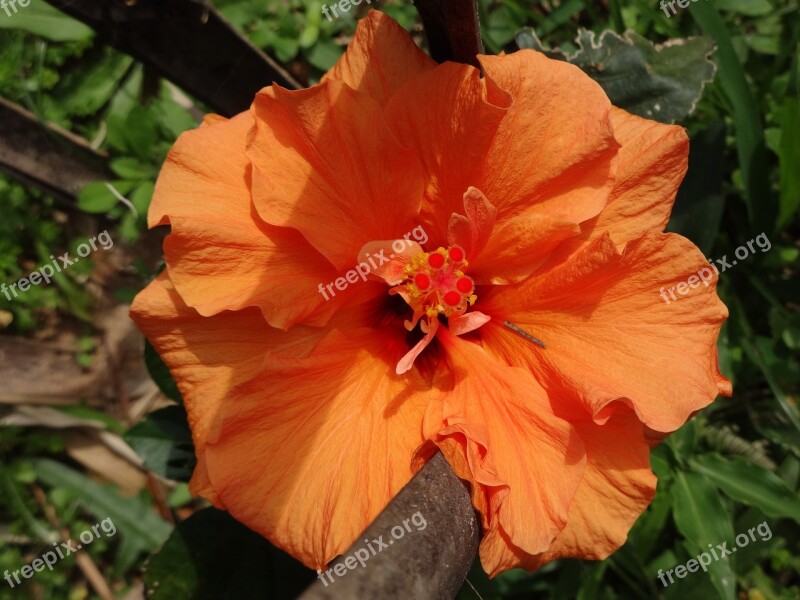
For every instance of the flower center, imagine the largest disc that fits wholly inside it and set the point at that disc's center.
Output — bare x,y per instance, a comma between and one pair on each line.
435,283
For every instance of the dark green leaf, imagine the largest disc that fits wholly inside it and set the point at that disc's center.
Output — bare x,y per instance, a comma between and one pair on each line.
164,442
702,519
749,484
211,556
160,373
42,19
697,213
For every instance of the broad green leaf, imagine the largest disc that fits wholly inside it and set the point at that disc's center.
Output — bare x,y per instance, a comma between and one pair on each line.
141,132
164,442
702,519
130,168
139,528
662,82
324,54
141,197
211,556
42,19
749,484
97,198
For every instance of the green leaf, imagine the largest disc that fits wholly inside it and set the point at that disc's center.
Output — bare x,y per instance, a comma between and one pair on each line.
697,213
164,442
309,36
139,528
160,373
130,168
43,20
141,197
789,152
97,198
752,8
500,27
141,132
218,557
751,146
84,91
324,54
749,484
702,519
663,82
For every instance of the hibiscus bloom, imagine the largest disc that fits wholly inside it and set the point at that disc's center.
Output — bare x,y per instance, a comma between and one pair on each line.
525,338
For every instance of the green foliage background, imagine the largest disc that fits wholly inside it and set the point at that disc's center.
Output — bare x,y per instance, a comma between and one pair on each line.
737,464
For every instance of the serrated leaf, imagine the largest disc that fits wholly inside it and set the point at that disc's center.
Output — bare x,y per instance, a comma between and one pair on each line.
749,484
660,82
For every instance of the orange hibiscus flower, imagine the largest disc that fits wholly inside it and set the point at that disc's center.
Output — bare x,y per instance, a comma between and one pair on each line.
523,335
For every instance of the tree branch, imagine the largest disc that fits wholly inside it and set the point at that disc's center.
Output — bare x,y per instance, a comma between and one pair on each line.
453,29
189,43
46,156
424,564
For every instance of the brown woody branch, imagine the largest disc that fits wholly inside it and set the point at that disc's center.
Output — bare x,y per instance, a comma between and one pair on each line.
452,28
189,43
424,564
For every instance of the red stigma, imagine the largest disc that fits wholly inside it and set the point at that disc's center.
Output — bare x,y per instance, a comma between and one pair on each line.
422,281
456,254
452,298
464,285
436,260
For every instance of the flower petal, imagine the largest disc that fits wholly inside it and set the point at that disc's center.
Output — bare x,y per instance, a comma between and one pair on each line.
311,450
220,254
555,148
650,167
616,488
326,164
207,356
380,58
525,464
450,118
609,333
